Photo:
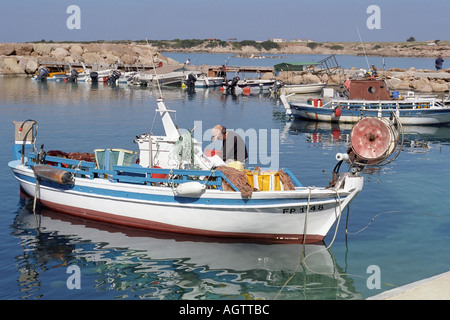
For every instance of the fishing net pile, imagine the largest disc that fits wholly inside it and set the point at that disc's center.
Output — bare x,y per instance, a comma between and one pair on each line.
239,179
82,156
286,180
183,150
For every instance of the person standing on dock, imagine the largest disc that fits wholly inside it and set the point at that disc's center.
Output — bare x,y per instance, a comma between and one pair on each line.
438,63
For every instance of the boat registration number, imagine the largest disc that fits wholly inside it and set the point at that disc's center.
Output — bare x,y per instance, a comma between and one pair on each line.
302,209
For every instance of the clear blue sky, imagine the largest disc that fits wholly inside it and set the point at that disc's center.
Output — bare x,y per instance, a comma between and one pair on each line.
320,20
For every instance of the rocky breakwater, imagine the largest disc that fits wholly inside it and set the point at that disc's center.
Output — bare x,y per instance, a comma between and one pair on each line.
25,58
425,81
296,77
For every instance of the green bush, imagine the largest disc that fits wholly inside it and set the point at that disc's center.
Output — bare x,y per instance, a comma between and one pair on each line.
312,45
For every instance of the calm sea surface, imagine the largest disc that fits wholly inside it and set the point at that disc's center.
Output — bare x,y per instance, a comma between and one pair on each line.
398,225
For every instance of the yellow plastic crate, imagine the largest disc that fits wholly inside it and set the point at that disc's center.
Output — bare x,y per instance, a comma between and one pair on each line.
265,181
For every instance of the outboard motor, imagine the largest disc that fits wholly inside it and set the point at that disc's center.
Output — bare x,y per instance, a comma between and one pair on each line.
43,74
191,79
94,77
114,77
234,82
73,76
277,85
229,86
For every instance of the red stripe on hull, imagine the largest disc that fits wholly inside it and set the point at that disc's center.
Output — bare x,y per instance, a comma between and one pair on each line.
157,226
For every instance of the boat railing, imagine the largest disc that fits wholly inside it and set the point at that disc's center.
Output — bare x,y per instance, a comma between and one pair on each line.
136,174
80,168
140,175
386,105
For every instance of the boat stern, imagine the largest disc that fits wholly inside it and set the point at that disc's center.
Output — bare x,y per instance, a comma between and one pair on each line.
24,138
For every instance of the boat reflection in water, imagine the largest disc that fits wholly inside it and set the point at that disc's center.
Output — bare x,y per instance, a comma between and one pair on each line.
119,262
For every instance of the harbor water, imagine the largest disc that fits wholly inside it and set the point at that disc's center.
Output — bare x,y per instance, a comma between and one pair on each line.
395,232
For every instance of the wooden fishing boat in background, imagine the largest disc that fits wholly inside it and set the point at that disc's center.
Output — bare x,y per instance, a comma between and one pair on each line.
370,98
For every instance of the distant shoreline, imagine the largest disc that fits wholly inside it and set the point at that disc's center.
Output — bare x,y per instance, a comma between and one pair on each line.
26,58
381,49
421,49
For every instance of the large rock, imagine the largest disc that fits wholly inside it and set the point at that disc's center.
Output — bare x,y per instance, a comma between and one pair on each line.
267,76
335,79
23,49
139,50
43,49
310,78
92,57
117,50
110,58
416,84
128,59
404,85
7,49
11,66
438,87
285,76
393,83
60,53
28,64
424,88
296,79
92,47
76,49
74,57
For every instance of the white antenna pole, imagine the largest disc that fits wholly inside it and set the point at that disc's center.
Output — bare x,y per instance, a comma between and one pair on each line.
360,40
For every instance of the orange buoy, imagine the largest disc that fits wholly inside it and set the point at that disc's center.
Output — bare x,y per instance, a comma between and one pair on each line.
159,175
246,90
337,112
371,139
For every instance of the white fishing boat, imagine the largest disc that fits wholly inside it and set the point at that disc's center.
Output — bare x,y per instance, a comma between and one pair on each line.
167,75
299,88
177,188
203,81
246,86
258,84
370,98
95,76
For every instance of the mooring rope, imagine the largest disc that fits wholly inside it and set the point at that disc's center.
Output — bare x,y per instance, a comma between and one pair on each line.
305,229
302,256
36,190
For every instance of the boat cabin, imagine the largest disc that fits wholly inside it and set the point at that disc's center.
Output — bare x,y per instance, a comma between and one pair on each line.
368,89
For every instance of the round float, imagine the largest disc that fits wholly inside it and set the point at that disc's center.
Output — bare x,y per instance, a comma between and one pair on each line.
371,139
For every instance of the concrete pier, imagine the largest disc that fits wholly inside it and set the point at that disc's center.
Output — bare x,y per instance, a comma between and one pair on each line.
434,288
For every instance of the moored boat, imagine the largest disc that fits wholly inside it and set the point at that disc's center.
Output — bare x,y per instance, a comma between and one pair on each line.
370,98
246,86
193,194
45,74
281,88
204,81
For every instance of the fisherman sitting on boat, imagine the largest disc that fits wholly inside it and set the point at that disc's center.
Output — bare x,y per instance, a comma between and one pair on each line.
233,146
